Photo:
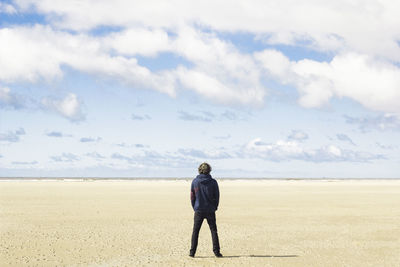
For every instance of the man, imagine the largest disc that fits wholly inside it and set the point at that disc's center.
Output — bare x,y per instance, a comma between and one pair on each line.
204,194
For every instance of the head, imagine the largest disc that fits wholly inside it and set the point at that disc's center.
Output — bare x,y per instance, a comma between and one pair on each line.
204,168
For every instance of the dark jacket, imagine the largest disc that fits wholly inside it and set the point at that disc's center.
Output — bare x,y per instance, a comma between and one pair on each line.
204,193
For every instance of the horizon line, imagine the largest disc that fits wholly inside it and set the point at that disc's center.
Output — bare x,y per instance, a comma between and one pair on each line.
186,178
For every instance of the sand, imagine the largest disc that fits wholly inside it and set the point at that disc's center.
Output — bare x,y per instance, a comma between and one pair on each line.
149,223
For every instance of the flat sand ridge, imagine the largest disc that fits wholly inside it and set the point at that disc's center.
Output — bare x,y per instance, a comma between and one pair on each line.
148,223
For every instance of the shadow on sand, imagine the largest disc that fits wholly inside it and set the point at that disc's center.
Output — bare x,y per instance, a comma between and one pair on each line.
252,256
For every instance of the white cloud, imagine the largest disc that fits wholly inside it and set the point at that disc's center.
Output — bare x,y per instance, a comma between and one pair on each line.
7,8
365,26
90,139
371,82
65,157
125,145
4,94
95,156
274,151
229,115
49,50
58,134
69,107
220,72
223,137
41,60
275,63
292,150
12,136
204,117
9,99
298,135
362,35
153,159
139,41
345,138
388,147
34,162
205,155
383,122
367,80
140,117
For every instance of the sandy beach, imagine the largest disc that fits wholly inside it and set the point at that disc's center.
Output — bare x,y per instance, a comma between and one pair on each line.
149,223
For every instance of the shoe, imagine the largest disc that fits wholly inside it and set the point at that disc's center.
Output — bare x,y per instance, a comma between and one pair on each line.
191,255
218,255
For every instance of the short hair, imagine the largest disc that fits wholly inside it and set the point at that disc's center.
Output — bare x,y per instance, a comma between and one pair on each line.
205,168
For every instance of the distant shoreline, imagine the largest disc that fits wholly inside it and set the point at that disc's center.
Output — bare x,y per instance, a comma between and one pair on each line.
181,179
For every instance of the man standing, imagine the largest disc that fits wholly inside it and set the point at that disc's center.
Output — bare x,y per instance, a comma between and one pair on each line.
204,194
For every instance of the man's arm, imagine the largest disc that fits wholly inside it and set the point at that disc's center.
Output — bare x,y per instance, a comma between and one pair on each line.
216,195
192,195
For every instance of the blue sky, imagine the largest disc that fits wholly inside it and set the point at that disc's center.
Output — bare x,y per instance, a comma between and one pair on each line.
125,89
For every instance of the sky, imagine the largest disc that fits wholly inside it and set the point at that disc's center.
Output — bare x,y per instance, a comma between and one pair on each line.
274,89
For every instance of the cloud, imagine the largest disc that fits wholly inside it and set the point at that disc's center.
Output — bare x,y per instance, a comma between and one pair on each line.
155,159
276,64
364,65
196,153
7,9
385,122
95,155
223,137
140,118
50,49
345,138
89,139
370,81
65,157
12,136
388,147
57,134
34,162
122,144
351,75
139,41
205,116
68,107
41,60
131,145
298,135
9,99
255,149
229,115
20,131
220,72
122,157
9,137
280,22
292,150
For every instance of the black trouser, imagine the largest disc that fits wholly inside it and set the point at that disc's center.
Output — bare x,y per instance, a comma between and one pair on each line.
198,220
